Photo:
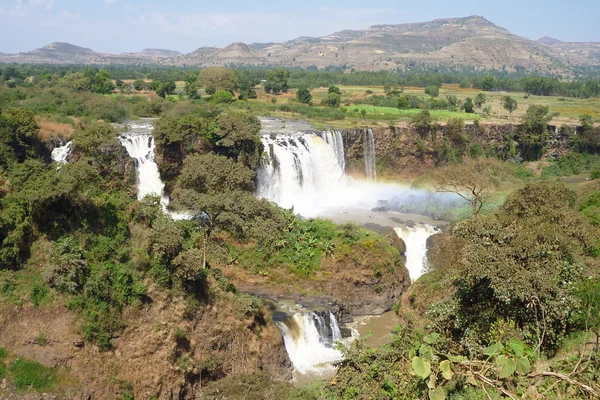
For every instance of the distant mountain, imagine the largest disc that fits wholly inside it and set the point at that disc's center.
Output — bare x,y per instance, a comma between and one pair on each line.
452,42
66,53
162,53
547,40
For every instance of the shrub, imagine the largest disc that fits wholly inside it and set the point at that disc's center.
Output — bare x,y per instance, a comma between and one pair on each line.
223,97
433,91
38,293
26,374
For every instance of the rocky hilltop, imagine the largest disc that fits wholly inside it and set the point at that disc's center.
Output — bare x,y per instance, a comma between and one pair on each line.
452,42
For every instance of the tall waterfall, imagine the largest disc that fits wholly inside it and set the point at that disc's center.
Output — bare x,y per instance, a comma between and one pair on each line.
60,154
141,148
415,239
369,154
302,170
335,140
309,339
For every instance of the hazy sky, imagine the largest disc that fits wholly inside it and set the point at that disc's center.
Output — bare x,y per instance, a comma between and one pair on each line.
129,25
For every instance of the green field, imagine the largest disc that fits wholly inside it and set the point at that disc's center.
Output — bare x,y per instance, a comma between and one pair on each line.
391,113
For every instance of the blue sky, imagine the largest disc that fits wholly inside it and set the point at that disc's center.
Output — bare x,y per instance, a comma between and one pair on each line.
131,25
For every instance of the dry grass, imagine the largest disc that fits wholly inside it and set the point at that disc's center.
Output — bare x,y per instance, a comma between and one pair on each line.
50,129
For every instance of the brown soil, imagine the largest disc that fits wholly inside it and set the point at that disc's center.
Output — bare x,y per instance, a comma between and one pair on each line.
147,354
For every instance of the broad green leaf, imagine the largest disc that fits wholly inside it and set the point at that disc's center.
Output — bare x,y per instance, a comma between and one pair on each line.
506,366
421,367
523,366
457,359
431,338
426,352
517,347
437,394
493,350
446,368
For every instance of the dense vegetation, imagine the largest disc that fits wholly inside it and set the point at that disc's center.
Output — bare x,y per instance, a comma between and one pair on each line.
513,292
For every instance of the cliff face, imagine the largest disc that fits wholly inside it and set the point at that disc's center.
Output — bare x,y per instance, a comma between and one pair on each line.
404,153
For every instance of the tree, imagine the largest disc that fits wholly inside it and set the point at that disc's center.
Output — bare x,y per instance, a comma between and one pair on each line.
101,83
215,79
214,174
433,91
473,180
191,85
277,81
480,100
522,264
533,133
303,95
334,89
164,89
468,105
223,97
19,137
403,103
489,83
422,122
586,138
238,137
140,85
332,100
509,104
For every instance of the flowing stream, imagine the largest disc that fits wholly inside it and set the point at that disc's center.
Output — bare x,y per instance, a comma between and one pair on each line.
60,154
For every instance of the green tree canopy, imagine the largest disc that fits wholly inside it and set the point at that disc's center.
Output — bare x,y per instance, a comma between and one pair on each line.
533,133
101,83
217,78
334,89
522,263
277,81
433,91
238,137
332,100
19,137
509,104
213,174
303,95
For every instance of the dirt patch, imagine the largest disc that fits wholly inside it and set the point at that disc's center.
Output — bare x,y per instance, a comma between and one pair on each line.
160,354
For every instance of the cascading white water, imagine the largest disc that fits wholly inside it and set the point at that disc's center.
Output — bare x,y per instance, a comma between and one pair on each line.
309,339
141,148
60,154
415,239
302,171
369,155
335,140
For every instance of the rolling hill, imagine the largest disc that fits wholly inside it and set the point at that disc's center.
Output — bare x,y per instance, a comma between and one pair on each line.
451,42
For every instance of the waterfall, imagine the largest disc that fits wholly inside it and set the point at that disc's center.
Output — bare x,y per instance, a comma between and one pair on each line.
309,339
60,154
369,155
335,140
415,239
300,170
140,147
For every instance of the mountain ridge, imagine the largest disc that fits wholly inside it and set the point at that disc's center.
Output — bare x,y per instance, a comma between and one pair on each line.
452,42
